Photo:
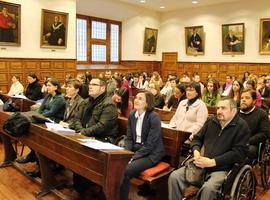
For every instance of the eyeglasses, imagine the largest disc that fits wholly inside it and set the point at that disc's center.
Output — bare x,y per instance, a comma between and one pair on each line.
94,84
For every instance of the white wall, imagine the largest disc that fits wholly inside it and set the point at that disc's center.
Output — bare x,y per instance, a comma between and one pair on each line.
172,35
31,27
133,35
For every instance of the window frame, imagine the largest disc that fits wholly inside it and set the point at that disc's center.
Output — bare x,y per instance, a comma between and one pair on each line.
106,42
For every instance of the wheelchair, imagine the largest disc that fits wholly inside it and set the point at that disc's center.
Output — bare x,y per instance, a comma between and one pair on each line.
240,183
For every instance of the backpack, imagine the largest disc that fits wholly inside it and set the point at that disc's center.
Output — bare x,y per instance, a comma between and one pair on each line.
17,125
10,106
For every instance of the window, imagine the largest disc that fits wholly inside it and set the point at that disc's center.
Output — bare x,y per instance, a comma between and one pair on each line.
98,42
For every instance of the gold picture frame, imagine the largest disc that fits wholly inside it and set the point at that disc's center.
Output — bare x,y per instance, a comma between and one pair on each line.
54,28
233,39
194,40
150,41
10,27
264,42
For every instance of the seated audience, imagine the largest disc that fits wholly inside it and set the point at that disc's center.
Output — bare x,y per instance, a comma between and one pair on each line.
236,91
156,80
196,78
245,78
16,87
262,88
44,86
143,138
85,86
159,100
74,103
251,84
230,134
211,95
54,103
179,94
98,119
227,86
121,100
33,90
192,112
166,91
256,119
142,83
111,83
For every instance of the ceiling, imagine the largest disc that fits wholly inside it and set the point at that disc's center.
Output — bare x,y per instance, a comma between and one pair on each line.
124,9
171,5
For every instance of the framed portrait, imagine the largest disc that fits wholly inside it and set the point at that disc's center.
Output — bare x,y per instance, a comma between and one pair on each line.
10,24
233,38
150,41
54,26
264,46
194,38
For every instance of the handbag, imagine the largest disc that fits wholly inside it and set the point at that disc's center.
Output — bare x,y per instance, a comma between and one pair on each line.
194,175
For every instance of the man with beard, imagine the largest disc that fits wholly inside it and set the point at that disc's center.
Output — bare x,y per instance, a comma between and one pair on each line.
256,119
224,139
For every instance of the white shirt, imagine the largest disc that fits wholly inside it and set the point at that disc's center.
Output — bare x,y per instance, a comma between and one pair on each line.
139,124
15,89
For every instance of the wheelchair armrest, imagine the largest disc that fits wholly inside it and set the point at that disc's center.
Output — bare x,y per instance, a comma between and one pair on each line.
229,179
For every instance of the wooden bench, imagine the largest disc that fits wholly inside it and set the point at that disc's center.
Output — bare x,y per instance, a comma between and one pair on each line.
173,141
164,115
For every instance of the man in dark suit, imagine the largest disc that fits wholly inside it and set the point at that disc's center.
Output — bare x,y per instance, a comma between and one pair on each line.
262,88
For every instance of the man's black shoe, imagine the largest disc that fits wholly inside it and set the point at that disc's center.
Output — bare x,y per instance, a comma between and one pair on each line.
34,174
26,159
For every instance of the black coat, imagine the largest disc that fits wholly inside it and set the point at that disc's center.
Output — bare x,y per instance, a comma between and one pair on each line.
98,119
33,91
227,146
152,144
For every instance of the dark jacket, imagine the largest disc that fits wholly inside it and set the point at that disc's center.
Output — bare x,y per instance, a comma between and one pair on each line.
72,110
53,107
227,146
266,92
33,91
258,123
152,144
99,119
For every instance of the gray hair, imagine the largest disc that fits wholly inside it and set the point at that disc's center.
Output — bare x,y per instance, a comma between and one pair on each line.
231,101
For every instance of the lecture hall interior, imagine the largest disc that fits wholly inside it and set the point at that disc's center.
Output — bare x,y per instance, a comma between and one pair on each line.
132,44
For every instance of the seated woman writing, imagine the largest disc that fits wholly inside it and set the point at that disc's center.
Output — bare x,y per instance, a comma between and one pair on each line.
143,138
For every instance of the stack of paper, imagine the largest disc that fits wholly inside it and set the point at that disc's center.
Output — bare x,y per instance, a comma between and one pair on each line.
96,144
58,128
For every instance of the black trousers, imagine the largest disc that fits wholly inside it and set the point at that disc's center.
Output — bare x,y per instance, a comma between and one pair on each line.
132,170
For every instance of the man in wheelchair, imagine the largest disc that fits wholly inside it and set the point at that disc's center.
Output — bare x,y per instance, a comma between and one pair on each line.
225,141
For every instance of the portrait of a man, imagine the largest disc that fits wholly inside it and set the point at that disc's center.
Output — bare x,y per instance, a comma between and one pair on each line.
54,29
150,41
265,36
9,24
194,37
233,38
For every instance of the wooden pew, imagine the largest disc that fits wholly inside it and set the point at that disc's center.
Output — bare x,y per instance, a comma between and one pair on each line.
103,167
164,115
24,104
212,110
173,141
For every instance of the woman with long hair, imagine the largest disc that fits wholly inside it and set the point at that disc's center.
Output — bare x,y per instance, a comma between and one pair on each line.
211,95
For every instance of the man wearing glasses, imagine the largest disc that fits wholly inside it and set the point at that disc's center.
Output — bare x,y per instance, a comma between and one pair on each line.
99,119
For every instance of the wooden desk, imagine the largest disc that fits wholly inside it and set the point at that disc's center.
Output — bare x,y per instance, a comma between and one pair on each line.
24,104
105,168
173,140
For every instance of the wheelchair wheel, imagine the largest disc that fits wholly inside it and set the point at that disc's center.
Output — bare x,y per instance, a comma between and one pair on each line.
265,167
244,185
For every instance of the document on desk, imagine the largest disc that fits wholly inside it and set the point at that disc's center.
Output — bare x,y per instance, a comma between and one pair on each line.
96,144
166,125
19,96
58,128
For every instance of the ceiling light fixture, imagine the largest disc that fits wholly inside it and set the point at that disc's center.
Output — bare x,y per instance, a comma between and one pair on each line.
194,2
142,1
162,7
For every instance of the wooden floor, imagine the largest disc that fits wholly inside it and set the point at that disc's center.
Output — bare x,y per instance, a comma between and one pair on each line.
16,186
